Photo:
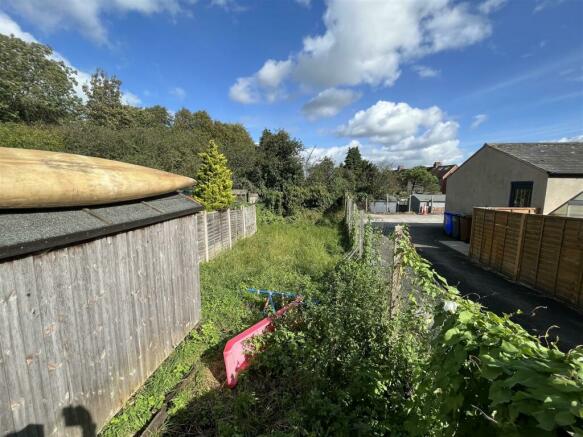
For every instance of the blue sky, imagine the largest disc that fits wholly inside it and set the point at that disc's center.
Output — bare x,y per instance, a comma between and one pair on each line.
409,81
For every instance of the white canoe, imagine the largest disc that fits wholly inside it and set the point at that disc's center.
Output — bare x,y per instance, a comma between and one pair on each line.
41,179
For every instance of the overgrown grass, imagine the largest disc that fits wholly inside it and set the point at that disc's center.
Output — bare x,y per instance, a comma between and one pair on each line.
281,256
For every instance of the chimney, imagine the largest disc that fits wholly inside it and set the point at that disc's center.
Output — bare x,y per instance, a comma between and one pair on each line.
437,164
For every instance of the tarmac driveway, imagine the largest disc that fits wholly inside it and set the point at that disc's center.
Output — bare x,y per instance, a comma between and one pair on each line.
541,314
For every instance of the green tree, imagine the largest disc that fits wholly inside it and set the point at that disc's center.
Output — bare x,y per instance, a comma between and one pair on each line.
183,119
214,183
34,86
104,106
418,179
280,161
353,160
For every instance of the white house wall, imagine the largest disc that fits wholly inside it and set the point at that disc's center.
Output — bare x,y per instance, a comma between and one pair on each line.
560,190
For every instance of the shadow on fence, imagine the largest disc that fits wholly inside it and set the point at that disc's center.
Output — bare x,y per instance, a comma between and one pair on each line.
74,417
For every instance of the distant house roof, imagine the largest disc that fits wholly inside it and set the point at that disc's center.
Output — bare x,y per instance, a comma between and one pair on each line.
441,170
27,231
554,158
428,197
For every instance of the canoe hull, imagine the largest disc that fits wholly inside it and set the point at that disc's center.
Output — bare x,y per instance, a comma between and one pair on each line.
41,179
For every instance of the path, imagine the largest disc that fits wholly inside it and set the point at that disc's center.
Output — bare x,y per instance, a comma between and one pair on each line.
449,258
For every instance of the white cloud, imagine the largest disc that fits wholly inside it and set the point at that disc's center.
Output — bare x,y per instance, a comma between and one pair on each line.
489,6
408,135
305,3
367,42
178,92
9,27
424,72
373,153
273,73
243,91
478,120
329,102
84,15
456,27
129,98
575,139
263,85
544,4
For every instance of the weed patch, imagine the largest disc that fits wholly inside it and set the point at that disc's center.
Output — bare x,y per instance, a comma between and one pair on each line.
282,256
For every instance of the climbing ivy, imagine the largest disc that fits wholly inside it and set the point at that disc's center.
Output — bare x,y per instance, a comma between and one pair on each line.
486,373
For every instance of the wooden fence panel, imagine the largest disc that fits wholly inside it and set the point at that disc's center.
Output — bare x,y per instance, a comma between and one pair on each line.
512,244
570,269
499,240
477,235
487,237
545,252
550,253
531,245
219,230
83,327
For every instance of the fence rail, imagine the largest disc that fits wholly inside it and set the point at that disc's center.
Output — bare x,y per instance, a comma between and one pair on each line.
544,252
219,230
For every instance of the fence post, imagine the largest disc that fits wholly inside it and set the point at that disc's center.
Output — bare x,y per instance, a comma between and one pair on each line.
206,236
558,264
521,233
229,227
540,242
243,209
361,233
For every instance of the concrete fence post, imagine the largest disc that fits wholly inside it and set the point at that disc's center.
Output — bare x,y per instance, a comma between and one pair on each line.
229,227
243,211
206,235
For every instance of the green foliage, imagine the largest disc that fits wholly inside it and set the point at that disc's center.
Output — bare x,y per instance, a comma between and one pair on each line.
34,86
279,161
214,182
282,256
273,201
31,137
366,179
417,180
353,160
104,106
154,116
487,373
340,367
165,148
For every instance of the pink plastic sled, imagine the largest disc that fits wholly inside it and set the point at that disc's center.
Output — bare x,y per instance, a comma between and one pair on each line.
237,355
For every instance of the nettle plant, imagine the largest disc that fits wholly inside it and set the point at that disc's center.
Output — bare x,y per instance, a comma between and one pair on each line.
486,373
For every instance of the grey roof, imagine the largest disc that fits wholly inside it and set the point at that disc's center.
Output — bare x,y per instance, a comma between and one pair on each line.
554,158
27,231
427,197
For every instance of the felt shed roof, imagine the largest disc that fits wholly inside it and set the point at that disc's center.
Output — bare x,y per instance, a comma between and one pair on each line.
27,231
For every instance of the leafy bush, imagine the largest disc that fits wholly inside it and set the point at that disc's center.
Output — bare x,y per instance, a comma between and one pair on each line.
22,136
273,201
214,187
487,373
281,256
342,366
